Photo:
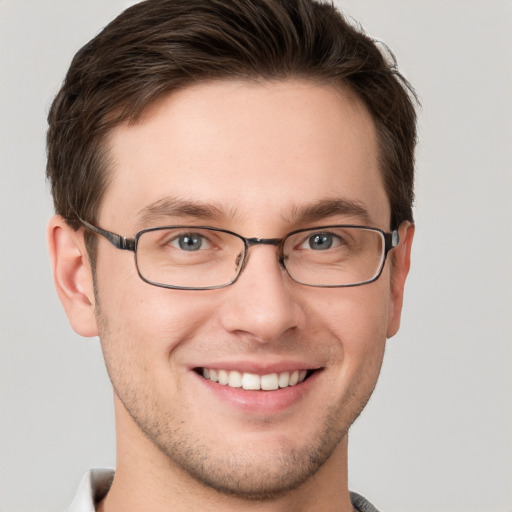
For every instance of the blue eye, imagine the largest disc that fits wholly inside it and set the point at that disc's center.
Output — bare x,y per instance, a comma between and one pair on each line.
321,241
190,242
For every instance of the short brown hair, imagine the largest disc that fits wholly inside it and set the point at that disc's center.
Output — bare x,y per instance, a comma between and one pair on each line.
158,46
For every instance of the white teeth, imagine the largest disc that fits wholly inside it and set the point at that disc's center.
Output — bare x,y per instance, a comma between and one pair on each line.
223,377
252,381
270,382
235,379
294,378
284,379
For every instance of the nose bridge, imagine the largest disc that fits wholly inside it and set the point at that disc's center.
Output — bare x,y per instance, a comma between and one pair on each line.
262,303
251,242
276,242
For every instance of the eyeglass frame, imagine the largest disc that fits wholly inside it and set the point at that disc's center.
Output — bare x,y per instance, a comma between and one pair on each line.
391,240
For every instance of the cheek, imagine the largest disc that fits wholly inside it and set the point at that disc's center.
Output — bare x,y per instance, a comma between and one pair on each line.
356,319
141,341
356,315
351,325
142,322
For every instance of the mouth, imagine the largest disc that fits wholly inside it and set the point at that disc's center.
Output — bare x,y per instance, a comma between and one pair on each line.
253,381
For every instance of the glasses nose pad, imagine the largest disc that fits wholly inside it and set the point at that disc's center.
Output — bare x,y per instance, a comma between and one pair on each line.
240,260
281,258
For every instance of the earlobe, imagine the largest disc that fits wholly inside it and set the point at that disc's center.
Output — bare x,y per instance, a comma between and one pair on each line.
401,264
72,275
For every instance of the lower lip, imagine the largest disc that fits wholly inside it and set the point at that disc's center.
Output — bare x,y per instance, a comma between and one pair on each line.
251,401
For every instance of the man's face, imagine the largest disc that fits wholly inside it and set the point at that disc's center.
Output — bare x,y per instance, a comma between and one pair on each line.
250,158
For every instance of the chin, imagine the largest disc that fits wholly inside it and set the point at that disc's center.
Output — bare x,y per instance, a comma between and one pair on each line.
262,469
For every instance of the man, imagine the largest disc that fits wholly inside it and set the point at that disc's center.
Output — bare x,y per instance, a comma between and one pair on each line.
233,185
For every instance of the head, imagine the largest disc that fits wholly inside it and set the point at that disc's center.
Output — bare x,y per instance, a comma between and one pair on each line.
254,116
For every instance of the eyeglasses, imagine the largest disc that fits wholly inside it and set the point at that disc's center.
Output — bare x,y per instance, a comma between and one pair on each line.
206,258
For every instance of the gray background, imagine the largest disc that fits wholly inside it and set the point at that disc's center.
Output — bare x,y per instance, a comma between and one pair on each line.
437,434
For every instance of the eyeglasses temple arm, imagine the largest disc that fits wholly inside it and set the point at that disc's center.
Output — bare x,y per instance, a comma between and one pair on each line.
391,240
121,242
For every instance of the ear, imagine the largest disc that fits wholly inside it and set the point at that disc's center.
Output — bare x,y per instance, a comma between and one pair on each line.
401,262
72,275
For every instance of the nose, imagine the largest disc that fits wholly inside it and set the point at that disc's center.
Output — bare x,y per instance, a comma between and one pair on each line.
263,304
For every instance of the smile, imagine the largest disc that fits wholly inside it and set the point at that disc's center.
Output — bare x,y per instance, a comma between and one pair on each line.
254,382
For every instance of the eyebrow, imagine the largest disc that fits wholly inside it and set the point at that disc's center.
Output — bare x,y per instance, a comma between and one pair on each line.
329,208
175,207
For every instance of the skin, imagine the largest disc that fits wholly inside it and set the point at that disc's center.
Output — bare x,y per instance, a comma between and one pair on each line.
259,153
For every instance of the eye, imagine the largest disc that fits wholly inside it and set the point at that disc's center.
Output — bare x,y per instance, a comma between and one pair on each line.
190,242
321,241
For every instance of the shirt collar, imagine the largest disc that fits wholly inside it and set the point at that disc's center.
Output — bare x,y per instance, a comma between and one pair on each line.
93,488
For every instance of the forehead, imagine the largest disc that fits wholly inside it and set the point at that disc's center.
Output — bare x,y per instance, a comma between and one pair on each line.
246,149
